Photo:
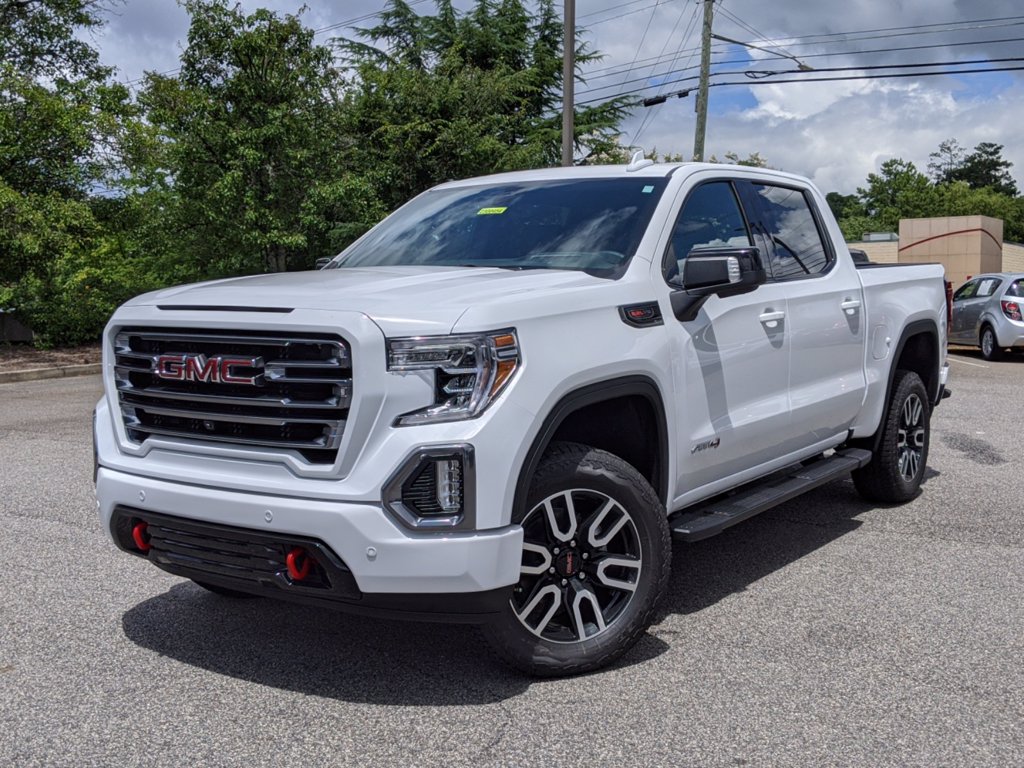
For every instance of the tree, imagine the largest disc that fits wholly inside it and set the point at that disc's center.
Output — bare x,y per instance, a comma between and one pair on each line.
898,191
844,206
462,94
986,167
61,124
250,144
946,160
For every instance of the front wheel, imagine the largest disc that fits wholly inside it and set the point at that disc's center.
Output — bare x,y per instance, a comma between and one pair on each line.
596,559
896,470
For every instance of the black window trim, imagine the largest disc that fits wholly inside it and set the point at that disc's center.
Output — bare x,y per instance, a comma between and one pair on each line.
826,241
732,182
957,297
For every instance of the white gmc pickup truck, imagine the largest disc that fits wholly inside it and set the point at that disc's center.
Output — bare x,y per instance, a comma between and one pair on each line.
501,403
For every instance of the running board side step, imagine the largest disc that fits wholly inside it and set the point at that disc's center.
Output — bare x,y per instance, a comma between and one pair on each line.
712,517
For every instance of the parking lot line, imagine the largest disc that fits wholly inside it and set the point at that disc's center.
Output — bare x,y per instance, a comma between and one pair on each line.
965,362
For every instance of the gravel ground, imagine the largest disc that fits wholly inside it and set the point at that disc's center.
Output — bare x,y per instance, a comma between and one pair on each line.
824,632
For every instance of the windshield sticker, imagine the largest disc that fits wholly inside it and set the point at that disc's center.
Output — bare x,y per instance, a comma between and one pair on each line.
491,211
648,189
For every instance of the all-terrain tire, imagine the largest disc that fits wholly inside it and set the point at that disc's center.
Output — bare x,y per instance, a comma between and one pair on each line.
595,602
897,468
989,343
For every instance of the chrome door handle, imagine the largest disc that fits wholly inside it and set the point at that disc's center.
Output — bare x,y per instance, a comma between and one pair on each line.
850,305
770,317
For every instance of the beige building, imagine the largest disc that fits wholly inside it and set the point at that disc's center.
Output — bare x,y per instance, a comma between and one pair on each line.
964,245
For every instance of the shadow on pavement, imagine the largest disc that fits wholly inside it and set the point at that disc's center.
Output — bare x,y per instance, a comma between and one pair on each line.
335,655
706,572
331,654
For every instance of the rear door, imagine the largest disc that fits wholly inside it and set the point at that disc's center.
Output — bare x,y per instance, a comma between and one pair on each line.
825,313
731,365
973,307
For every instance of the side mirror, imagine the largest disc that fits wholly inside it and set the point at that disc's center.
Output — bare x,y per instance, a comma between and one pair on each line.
716,272
323,261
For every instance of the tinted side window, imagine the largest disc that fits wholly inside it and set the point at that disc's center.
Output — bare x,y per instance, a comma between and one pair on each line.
797,246
966,291
1016,288
710,218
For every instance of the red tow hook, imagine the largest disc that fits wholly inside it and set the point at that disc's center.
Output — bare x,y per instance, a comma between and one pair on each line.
140,535
298,563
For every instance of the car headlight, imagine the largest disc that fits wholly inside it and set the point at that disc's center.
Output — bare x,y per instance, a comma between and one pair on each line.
470,371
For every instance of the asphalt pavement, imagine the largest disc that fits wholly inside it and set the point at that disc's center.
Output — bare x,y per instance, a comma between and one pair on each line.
825,632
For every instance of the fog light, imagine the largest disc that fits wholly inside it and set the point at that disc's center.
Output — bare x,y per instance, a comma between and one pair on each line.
434,488
449,485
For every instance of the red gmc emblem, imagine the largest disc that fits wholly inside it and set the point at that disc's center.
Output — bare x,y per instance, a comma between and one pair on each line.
215,370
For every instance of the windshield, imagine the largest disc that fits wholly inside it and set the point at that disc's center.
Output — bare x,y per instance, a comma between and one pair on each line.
591,225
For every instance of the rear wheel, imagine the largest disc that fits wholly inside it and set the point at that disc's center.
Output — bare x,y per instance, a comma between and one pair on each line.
990,348
897,467
596,558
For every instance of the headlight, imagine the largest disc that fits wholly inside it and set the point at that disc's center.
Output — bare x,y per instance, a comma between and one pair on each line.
469,371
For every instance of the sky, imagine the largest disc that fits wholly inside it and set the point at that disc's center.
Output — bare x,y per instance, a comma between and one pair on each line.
834,132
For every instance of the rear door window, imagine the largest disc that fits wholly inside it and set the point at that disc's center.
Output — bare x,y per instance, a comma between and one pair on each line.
987,286
794,236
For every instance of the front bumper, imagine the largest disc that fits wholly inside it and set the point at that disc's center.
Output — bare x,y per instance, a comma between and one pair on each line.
389,567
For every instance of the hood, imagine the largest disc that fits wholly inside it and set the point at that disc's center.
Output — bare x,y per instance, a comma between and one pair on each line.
401,300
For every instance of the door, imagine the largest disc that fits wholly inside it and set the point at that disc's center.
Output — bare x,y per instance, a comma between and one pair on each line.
731,363
972,308
825,312
961,299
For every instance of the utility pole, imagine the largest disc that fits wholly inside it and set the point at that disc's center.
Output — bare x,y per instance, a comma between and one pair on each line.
569,79
705,75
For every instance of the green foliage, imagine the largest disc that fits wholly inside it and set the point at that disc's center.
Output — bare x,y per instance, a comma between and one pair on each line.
899,191
456,95
844,206
945,160
966,185
60,125
72,302
249,139
986,167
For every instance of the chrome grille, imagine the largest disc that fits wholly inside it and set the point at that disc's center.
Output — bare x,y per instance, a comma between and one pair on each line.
289,391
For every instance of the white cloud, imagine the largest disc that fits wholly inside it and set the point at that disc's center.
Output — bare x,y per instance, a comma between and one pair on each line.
835,132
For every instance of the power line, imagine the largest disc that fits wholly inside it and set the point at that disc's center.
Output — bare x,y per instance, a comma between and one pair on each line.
873,77
690,26
810,79
720,62
996,41
622,15
610,8
746,27
759,75
647,29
